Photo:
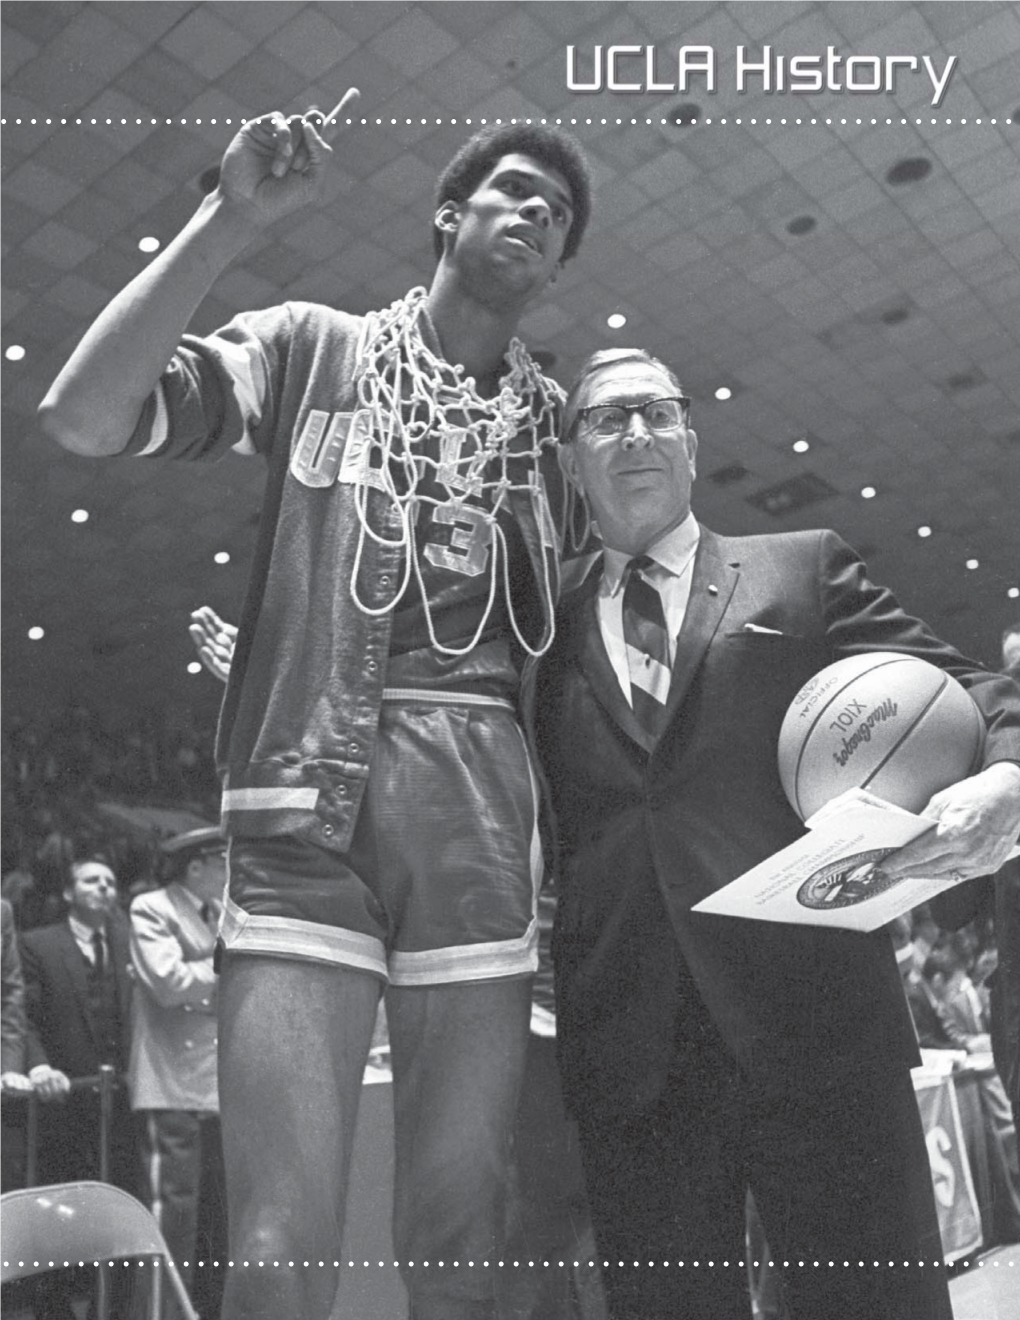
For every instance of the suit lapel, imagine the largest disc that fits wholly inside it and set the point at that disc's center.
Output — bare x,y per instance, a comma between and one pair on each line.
74,964
712,584
588,650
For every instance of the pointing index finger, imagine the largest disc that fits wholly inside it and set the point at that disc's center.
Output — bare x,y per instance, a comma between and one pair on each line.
329,125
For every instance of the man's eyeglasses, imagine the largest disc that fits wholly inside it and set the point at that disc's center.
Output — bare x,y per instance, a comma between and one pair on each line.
608,421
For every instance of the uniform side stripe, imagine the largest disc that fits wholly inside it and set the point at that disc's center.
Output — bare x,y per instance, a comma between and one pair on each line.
268,799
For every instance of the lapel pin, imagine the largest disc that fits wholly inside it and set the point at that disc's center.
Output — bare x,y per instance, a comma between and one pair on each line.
713,590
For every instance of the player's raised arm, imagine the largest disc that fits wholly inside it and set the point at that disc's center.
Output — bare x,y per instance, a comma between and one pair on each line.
273,166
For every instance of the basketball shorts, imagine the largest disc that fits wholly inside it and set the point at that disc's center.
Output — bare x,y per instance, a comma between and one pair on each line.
441,880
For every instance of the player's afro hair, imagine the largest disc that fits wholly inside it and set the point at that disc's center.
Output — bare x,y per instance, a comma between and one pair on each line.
549,146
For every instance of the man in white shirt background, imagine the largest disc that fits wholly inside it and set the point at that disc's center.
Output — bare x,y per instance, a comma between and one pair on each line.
173,1072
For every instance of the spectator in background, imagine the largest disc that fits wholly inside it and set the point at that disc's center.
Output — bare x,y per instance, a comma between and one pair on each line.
1004,983
932,1025
12,1047
947,970
1000,898
19,889
78,1010
1011,650
12,1006
172,1074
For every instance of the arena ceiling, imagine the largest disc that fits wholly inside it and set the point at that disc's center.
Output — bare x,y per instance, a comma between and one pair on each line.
855,284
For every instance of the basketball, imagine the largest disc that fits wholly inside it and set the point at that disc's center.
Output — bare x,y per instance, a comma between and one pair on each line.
893,724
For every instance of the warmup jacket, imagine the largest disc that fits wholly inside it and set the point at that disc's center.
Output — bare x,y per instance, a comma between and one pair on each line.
299,717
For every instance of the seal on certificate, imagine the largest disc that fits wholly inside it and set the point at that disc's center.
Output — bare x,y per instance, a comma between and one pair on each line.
848,881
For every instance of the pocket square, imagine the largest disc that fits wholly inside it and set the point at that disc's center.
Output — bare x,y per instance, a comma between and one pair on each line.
757,628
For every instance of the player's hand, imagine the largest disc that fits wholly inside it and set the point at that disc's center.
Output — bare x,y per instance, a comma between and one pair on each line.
50,1083
978,821
276,164
15,1081
214,640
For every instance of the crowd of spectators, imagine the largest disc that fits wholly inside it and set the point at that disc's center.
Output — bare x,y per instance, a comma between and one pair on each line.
947,976
87,805
73,789
62,775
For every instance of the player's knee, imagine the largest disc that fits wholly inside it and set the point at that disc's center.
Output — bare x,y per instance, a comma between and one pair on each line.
281,1239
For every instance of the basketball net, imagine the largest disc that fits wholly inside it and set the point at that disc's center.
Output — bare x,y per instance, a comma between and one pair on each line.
485,449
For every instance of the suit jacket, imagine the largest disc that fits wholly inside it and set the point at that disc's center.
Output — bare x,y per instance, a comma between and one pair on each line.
650,829
61,1029
173,1052
12,1003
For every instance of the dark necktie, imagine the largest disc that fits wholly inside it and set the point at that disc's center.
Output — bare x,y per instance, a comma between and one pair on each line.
647,640
99,948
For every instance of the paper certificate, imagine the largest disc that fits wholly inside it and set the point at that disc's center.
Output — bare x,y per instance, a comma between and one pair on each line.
833,876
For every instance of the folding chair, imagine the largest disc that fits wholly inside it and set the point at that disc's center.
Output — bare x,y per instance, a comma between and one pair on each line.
85,1249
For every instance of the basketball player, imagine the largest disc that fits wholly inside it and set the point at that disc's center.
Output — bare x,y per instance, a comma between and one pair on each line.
704,1054
377,791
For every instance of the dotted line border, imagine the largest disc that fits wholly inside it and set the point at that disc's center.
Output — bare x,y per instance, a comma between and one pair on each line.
725,120
545,1264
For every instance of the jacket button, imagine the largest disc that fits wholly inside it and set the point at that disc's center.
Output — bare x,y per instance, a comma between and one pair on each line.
353,748
385,579
371,666
328,831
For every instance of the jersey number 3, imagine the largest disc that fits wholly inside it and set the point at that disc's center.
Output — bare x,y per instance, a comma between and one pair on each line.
468,549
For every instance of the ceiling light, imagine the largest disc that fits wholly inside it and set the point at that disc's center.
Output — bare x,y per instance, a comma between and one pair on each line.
724,392
973,563
868,493
1013,593
194,667
687,112
35,634
617,321
80,515
910,170
221,557
149,244
924,531
14,353
801,446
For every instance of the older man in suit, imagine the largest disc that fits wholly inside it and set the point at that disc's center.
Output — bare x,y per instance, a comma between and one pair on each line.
173,1070
78,1012
703,1054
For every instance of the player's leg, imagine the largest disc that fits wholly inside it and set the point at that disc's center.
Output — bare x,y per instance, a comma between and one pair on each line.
458,1059
294,1036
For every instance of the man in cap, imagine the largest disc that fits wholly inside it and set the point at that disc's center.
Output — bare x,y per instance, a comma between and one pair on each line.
172,1073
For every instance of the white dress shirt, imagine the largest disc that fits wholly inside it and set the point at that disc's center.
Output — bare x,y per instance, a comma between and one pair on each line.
670,574
83,937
